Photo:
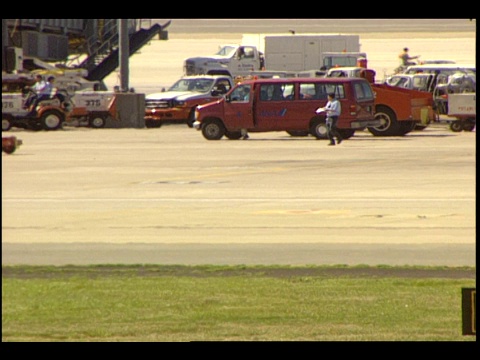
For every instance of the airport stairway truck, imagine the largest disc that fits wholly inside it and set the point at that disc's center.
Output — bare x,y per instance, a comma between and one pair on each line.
270,55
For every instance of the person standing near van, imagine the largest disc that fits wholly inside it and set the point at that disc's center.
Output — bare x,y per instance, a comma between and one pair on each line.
333,110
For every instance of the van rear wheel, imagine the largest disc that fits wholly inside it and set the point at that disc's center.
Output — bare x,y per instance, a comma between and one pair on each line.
213,130
319,129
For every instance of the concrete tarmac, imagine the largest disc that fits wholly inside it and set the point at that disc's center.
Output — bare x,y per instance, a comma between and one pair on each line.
169,196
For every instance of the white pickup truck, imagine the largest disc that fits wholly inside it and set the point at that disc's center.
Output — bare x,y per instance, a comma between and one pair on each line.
236,60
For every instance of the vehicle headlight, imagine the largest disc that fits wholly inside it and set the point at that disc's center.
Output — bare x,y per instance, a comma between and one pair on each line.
179,103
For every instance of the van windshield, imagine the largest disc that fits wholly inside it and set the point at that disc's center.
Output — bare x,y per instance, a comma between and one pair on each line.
363,90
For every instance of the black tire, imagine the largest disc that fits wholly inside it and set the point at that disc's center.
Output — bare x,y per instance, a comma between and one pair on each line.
319,129
233,135
346,133
407,127
300,133
152,124
469,125
456,126
52,120
97,121
213,130
7,122
391,126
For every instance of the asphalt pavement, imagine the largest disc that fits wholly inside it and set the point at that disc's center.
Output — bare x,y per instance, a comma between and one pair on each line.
169,196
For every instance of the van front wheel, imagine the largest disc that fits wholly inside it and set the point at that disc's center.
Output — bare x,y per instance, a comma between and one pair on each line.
213,130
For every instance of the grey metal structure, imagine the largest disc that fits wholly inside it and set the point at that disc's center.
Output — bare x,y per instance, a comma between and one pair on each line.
90,44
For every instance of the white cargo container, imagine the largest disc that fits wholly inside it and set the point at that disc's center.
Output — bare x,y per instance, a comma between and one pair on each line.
462,104
300,52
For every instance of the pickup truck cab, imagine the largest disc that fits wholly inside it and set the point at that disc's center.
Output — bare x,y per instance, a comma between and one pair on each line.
237,59
177,104
420,82
289,104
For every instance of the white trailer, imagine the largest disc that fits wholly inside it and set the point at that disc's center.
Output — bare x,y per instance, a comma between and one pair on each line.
305,52
273,54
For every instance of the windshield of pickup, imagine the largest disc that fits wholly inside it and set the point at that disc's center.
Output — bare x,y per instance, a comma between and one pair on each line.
226,51
200,85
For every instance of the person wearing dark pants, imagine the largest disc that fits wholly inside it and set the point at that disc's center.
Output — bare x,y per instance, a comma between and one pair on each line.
333,110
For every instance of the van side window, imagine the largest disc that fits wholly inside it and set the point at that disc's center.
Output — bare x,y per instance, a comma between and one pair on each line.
337,89
359,91
277,92
308,91
241,93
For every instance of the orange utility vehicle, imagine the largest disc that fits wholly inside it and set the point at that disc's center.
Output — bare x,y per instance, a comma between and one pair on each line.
49,114
287,104
402,110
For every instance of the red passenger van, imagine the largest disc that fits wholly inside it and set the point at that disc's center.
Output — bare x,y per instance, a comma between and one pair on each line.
287,104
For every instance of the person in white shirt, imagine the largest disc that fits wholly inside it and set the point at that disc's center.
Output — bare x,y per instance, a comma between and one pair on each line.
37,89
333,110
